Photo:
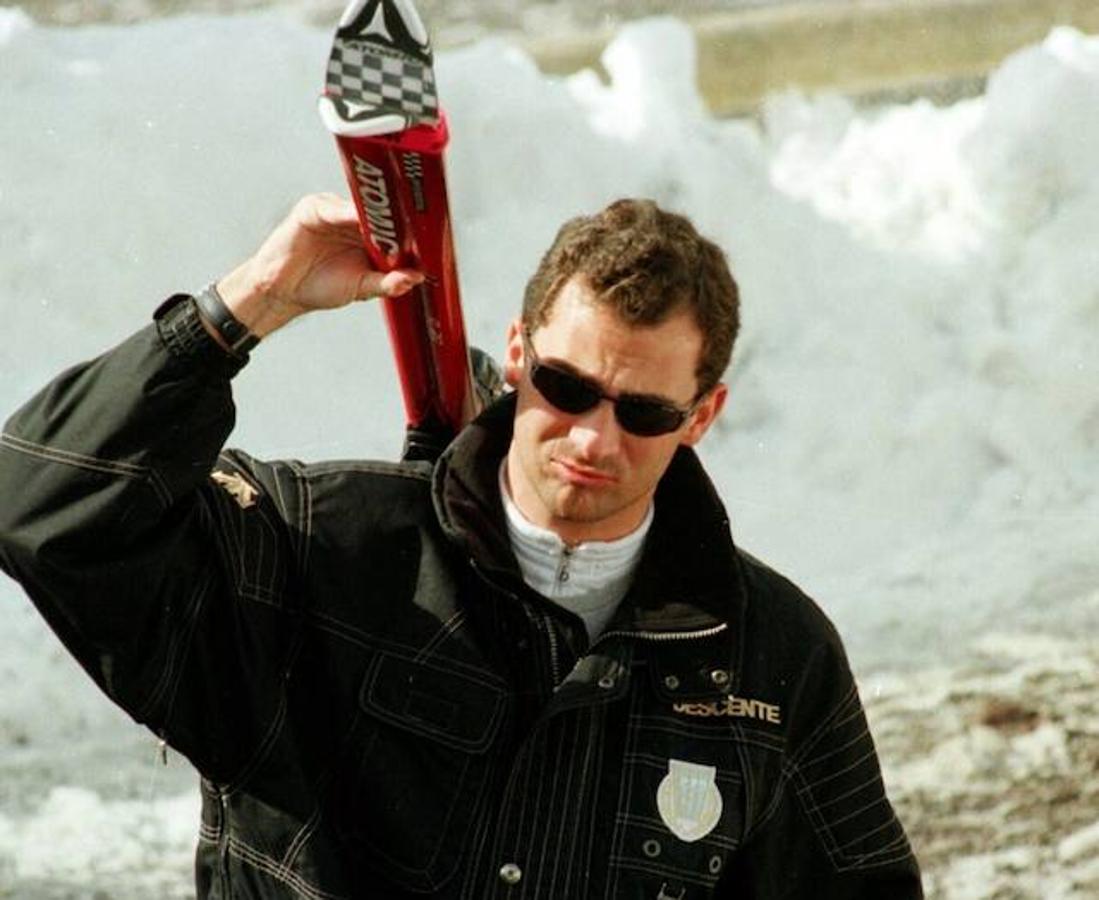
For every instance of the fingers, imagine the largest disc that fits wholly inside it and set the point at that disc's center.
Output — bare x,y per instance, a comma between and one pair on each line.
340,213
331,221
337,210
400,281
326,214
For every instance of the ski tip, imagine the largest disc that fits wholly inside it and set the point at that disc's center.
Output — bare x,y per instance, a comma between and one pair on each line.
393,23
380,77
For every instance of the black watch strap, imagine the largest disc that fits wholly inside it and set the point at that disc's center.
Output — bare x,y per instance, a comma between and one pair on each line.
215,312
186,338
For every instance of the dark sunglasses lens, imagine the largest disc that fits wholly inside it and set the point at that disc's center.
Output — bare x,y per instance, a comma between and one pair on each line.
646,418
574,395
567,392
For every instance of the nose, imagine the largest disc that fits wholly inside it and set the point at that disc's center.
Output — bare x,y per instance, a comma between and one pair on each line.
596,433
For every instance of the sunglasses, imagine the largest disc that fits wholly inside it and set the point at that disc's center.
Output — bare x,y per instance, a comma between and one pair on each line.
573,394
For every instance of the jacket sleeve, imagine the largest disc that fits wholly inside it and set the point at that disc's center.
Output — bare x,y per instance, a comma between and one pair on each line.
829,831
169,593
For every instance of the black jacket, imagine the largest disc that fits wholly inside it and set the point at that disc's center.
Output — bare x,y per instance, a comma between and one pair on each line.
381,708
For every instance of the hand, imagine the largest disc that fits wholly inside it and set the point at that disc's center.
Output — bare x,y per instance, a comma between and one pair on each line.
313,260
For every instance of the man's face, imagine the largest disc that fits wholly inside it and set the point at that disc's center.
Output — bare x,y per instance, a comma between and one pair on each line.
582,475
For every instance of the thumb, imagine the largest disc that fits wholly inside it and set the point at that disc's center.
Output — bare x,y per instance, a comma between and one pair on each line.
391,284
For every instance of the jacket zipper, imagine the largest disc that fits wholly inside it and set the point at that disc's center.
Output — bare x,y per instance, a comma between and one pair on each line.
555,665
223,842
662,635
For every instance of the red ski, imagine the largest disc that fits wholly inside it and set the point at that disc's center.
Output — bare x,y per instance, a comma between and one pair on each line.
381,104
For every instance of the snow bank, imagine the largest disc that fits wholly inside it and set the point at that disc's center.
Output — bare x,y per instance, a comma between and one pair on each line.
144,847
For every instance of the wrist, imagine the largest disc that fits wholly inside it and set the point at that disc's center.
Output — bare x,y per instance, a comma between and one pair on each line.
220,323
251,302
184,334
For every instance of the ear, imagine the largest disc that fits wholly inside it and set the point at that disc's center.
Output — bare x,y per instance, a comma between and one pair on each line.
708,410
513,353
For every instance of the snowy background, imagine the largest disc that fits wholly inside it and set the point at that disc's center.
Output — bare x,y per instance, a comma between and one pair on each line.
913,425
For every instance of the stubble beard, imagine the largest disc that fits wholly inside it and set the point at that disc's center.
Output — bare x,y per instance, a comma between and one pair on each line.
578,503
569,503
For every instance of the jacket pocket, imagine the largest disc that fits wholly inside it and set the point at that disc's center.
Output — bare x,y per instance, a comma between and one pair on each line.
681,813
424,765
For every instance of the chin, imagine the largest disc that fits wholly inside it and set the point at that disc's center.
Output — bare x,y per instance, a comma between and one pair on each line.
580,509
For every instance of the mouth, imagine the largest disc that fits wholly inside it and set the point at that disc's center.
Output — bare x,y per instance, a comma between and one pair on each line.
581,475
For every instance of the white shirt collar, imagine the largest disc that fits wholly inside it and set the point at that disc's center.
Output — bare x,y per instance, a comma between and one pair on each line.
589,578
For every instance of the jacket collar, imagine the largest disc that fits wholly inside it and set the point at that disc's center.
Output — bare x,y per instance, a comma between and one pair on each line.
689,578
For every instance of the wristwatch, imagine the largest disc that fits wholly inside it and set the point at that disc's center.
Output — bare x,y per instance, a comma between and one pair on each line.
214,311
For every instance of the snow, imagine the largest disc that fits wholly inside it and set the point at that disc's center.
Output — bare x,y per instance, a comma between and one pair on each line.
1084,844
77,838
913,422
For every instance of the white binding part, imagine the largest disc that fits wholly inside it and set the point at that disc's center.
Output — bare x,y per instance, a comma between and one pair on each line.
378,125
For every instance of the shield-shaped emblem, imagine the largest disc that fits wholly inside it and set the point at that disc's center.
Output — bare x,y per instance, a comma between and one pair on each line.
688,799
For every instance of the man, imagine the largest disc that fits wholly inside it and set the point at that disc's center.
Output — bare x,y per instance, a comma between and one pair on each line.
538,668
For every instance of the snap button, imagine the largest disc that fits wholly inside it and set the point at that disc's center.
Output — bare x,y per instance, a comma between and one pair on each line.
606,682
715,865
719,677
510,873
651,848
671,683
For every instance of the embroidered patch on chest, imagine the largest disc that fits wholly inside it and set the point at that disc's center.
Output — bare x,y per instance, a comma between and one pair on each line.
688,799
739,707
237,488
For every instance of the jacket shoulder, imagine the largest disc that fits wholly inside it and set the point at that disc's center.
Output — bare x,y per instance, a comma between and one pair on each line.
791,646
830,783
357,489
784,608
341,511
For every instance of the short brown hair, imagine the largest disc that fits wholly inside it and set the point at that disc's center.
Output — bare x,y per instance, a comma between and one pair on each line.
647,264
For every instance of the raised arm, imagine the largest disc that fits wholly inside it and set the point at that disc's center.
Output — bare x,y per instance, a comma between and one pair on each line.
144,552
